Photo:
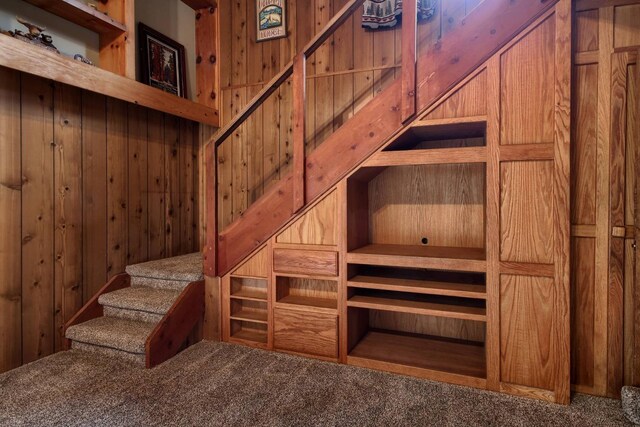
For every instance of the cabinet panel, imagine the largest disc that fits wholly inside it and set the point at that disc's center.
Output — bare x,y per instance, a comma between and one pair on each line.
526,325
526,212
324,263
304,332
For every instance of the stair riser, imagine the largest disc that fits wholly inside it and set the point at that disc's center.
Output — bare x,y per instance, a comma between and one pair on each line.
136,359
175,285
139,316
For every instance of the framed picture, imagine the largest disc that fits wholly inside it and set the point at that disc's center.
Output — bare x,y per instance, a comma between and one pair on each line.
271,19
162,61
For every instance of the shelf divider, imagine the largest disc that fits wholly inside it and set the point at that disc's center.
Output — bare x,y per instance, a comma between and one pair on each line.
427,287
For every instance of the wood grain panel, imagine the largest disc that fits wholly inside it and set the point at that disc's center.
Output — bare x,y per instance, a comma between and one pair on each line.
526,217
256,266
444,203
10,212
68,207
137,151
526,317
468,101
37,219
527,109
172,185
304,332
323,263
583,159
625,28
318,226
582,301
586,30
156,185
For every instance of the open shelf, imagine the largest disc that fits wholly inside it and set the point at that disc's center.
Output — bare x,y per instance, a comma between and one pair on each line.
248,288
442,134
436,257
248,332
429,287
81,14
448,307
249,311
421,351
314,294
21,56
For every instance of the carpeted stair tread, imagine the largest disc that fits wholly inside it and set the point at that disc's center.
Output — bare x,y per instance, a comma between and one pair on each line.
120,334
148,282
184,268
149,300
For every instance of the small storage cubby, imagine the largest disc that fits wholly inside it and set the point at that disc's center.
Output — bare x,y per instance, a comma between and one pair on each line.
418,211
412,343
306,292
438,134
248,288
251,332
249,311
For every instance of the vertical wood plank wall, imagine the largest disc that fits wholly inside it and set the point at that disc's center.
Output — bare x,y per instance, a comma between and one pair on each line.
88,184
352,67
604,292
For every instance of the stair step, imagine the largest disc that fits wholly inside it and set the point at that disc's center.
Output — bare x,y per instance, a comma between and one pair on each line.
135,315
119,334
148,300
138,359
149,282
180,268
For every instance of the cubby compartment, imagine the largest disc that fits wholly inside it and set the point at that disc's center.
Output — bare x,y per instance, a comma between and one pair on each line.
417,344
304,332
431,216
250,332
304,292
248,288
439,134
249,311
419,281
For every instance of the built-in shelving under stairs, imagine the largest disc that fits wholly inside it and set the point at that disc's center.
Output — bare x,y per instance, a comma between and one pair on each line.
145,315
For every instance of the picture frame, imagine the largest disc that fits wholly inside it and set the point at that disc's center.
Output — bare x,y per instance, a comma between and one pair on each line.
162,61
271,19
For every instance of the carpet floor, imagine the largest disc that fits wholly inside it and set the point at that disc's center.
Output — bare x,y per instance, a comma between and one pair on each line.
217,384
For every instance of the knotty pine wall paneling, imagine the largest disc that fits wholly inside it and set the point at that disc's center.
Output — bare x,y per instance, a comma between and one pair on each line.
88,185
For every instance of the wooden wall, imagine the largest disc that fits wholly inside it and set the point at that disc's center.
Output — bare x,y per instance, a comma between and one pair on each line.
88,185
345,73
605,294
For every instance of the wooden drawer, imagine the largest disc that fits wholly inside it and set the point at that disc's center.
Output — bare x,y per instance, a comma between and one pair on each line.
305,332
322,263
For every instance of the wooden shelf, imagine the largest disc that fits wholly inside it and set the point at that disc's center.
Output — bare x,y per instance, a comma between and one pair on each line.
437,156
322,304
407,351
21,56
430,134
436,309
250,335
250,316
249,295
427,287
434,257
81,14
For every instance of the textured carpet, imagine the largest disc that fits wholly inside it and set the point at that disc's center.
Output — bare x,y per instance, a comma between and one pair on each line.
185,267
215,384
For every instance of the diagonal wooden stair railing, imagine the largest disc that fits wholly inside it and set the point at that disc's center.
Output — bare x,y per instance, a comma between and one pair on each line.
474,39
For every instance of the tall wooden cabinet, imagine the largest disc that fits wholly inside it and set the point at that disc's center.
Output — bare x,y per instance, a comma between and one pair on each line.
446,254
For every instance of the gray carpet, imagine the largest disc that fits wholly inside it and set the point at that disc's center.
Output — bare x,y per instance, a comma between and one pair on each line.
216,384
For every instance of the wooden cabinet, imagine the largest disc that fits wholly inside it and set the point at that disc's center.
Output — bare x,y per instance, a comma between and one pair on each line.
305,332
313,262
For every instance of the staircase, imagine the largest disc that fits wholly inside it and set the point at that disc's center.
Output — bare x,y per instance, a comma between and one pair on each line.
467,44
144,315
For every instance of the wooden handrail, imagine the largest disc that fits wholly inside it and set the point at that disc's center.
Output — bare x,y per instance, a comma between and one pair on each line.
335,22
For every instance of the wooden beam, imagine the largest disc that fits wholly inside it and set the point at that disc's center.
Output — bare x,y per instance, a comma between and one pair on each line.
409,36
596,4
21,56
207,73
200,4
299,103
211,208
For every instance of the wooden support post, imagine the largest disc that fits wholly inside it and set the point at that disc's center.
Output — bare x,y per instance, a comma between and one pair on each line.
211,190
409,35
207,38
299,83
117,50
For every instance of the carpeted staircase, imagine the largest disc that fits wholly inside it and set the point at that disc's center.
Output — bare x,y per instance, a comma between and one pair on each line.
132,313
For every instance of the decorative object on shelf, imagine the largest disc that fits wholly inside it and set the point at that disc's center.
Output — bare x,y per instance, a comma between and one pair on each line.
162,61
35,35
82,59
271,19
379,14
